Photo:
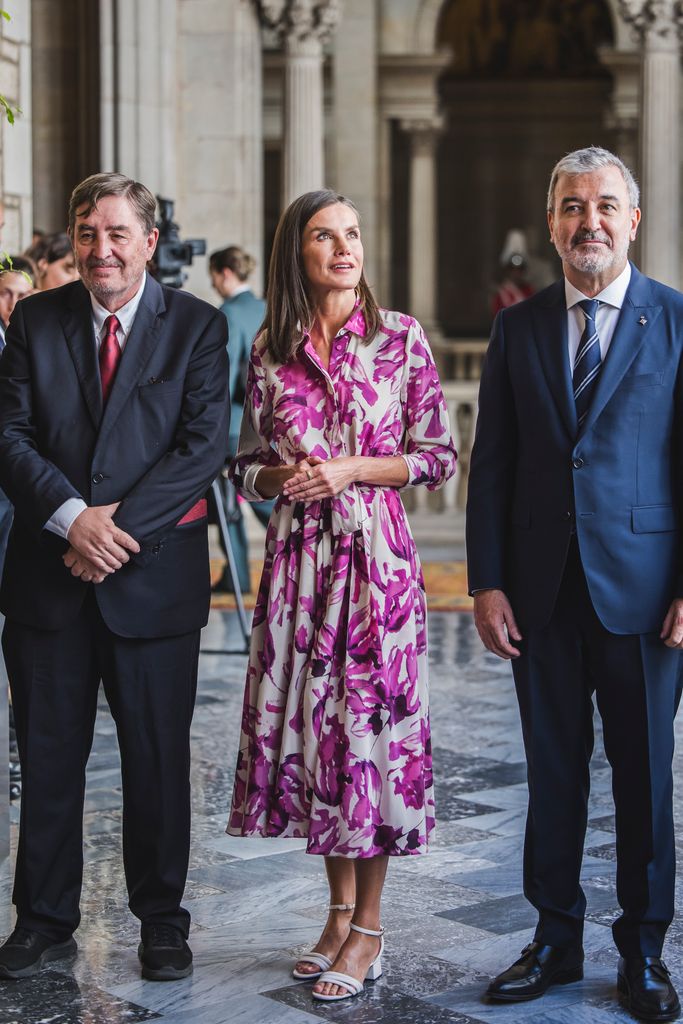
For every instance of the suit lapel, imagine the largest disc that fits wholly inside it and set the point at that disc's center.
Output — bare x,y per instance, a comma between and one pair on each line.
638,316
78,330
550,336
140,344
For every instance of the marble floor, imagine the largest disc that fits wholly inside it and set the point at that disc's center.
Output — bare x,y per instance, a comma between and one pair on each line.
452,918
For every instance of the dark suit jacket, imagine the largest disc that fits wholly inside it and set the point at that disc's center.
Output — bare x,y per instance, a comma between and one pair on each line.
157,446
534,478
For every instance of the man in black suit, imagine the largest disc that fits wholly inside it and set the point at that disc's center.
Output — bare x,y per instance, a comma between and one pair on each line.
113,423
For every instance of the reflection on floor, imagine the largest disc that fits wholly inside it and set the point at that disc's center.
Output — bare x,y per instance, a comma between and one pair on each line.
452,918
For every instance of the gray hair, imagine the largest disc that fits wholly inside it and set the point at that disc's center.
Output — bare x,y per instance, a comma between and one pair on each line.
582,161
89,192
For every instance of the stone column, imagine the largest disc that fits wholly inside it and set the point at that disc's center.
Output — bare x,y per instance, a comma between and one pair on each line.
15,139
422,223
220,131
657,24
303,26
138,91
355,149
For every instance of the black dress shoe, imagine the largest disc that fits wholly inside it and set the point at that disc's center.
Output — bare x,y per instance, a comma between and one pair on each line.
538,968
164,953
25,952
645,988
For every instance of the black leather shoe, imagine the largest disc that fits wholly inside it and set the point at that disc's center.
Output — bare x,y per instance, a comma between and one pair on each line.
645,988
164,953
24,953
538,968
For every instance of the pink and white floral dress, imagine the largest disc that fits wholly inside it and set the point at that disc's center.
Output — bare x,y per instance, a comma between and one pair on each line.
335,742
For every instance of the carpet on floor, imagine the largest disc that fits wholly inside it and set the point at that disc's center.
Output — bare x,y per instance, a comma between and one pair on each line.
445,583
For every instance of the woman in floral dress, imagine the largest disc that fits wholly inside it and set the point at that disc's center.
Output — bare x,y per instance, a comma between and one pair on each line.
343,409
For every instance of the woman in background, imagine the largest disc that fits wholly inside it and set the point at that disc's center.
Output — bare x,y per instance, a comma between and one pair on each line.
54,258
343,408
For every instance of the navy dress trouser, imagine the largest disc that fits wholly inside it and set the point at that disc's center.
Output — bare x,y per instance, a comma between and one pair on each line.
635,680
150,685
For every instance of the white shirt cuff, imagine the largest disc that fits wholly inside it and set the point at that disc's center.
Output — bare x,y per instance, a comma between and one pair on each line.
248,488
61,521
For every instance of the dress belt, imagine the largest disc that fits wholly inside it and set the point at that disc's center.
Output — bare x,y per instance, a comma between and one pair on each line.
198,511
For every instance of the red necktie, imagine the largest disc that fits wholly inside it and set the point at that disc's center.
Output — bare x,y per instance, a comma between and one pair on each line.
110,355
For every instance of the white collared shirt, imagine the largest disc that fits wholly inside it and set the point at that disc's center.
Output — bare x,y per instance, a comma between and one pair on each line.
239,289
60,522
125,317
611,300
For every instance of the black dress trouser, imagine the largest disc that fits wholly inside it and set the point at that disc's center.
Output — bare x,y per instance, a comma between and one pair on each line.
635,680
150,685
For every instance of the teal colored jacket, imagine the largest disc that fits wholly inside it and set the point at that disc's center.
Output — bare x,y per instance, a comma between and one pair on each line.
244,313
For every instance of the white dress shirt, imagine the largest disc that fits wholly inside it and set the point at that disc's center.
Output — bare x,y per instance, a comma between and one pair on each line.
611,300
60,522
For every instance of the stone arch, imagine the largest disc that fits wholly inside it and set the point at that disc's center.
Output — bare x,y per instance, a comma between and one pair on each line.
427,20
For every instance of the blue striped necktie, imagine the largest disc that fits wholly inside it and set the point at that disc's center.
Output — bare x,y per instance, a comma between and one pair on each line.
588,362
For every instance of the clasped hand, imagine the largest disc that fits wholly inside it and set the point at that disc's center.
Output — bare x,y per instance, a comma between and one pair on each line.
315,478
98,547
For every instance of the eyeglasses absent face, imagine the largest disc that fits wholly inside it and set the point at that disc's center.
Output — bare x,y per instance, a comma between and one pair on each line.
13,286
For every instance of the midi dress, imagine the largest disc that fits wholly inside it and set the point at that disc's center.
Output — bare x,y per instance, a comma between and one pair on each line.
335,739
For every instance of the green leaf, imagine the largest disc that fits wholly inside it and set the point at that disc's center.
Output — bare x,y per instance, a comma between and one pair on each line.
9,112
5,15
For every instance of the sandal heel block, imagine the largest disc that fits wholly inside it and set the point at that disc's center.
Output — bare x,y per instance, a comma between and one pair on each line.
374,970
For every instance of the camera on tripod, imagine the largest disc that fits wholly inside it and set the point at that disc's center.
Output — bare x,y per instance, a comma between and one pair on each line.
172,254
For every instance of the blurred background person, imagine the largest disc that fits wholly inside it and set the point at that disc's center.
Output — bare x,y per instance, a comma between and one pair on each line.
54,258
513,284
17,279
229,270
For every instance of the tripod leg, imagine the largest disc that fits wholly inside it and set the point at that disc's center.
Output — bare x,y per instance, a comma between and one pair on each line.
225,534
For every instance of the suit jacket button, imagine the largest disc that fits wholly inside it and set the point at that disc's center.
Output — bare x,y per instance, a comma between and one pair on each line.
577,463
98,478
567,515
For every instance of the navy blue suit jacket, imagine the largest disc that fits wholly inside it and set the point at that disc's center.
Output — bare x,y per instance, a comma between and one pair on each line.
156,447
618,482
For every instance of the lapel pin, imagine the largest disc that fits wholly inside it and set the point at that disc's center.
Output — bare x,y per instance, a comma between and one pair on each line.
642,321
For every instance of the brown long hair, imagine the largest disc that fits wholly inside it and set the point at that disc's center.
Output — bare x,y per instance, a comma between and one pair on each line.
288,306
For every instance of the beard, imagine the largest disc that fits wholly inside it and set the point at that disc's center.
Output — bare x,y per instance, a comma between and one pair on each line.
104,288
594,260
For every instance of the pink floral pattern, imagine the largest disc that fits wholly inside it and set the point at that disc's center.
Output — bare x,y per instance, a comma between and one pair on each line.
335,742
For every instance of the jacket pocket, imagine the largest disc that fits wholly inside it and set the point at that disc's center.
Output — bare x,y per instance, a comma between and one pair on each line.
642,380
654,519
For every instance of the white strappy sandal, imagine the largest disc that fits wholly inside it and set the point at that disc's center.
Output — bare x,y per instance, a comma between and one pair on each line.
354,986
318,959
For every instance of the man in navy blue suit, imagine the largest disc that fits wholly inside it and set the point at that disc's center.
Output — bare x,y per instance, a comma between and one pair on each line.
574,549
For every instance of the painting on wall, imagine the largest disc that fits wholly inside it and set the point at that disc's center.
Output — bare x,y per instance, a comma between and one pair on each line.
525,38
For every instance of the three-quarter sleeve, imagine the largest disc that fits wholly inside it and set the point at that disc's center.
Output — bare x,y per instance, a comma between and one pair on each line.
254,450
429,451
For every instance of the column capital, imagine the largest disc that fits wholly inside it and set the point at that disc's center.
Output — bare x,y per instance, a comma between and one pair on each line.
300,21
659,23
423,132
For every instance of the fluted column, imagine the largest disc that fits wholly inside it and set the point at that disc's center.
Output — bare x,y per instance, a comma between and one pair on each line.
303,26
657,24
423,235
